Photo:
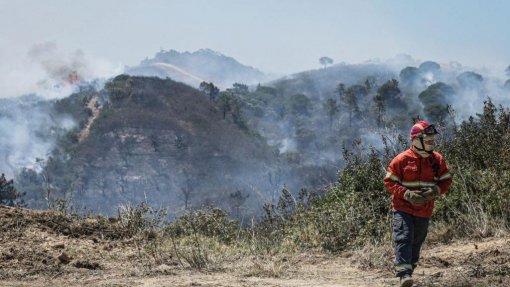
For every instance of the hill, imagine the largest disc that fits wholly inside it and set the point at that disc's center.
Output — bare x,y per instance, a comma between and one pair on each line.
161,142
196,67
166,143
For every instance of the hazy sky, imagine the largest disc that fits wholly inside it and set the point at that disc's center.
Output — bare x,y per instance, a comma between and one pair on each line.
277,36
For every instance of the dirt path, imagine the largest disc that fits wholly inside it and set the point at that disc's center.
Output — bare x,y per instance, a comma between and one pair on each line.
32,245
93,106
443,265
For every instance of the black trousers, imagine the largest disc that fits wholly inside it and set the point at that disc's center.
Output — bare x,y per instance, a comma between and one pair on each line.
409,232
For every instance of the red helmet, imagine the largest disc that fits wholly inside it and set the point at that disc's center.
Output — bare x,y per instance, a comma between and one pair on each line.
422,128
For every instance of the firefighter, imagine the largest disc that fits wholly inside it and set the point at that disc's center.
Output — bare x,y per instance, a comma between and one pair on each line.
415,178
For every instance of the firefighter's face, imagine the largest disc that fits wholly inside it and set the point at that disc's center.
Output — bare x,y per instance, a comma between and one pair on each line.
429,141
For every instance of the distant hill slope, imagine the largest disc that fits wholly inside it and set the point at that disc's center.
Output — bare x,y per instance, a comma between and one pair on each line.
321,83
193,68
292,112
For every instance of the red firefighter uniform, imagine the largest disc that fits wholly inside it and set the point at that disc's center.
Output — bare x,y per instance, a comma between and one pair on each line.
409,170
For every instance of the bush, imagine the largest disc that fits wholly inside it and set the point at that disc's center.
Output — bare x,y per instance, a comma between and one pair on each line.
206,222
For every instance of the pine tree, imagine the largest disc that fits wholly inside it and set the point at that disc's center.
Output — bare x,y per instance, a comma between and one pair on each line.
8,193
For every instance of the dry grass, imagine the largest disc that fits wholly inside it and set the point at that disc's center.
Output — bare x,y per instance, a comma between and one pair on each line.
264,266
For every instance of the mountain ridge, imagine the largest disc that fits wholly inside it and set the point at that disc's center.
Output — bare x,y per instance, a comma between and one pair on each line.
204,64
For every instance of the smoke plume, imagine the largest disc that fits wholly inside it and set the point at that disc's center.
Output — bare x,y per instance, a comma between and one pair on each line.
29,86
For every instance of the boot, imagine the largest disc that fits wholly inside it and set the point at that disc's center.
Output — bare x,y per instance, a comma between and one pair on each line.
406,281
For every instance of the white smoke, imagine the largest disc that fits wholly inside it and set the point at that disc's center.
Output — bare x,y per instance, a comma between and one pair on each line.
29,131
30,82
49,72
429,78
287,145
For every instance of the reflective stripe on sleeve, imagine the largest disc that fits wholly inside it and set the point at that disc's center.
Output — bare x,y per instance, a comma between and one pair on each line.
392,177
445,176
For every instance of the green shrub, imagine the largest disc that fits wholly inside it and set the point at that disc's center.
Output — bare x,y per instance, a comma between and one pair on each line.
205,222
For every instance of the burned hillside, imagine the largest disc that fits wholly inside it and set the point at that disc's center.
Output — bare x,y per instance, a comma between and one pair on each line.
163,143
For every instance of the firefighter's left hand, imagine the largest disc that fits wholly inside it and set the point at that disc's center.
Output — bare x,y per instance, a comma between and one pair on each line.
430,193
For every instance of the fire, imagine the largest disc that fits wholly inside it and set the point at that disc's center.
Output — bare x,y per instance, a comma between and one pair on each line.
73,78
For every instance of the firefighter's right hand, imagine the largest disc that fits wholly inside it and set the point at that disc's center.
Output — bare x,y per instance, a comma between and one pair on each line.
431,193
415,197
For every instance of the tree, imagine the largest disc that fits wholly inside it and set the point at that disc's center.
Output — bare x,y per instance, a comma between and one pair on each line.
331,109
392,96
8,193
370,83
351,98
224,102
46,181
380,109
411,76
210,90
350,102
299,104
228,102
240,89
340,90
429,67
507,71
187,189
470,80
435,100
237,114
325,61
388,98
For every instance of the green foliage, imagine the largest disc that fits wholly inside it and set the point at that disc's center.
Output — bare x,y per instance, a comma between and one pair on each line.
470,80
137,219
356,212
119,88
340,90
210,90
435,100
75,105
388,98
356,209
299,104
224,103
8,194
325,61
240,89
379,108
352,213
390,92
228,102
267,90
410,76
331,109
351,99
479,198
304,136
212,223
429,67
